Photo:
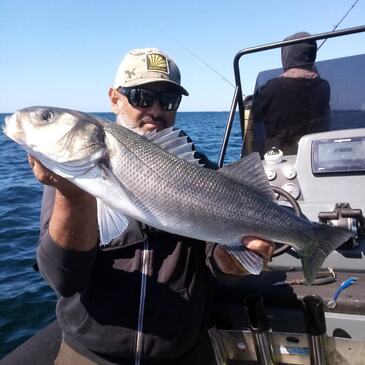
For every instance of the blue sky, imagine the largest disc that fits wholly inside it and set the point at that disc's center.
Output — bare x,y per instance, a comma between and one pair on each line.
65,53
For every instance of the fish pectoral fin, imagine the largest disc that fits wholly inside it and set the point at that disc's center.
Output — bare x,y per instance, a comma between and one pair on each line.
250,260
72,169
111,222
250,172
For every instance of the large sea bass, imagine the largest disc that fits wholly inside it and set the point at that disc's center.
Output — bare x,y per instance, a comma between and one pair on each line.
142,177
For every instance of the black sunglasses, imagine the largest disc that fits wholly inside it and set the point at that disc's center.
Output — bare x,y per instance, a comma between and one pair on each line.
145,98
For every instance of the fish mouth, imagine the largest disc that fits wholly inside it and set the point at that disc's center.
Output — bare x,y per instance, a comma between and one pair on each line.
6,126
11,128
7,121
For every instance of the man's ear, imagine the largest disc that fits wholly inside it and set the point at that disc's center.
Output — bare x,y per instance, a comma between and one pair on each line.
114,97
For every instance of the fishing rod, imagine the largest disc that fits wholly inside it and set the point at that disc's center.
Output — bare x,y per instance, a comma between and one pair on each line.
341,20
224,78
200,59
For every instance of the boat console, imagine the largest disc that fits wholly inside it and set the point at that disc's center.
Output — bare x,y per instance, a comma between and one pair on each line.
277,317
327,179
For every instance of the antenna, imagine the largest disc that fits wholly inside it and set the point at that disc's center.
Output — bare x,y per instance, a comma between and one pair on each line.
335,27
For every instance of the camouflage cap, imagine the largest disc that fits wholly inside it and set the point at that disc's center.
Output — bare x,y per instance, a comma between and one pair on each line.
145,66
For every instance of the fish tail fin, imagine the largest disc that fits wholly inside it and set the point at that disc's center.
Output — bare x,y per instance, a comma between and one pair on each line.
250,260
326,240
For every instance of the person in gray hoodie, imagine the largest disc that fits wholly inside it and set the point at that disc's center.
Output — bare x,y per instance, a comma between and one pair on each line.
297,102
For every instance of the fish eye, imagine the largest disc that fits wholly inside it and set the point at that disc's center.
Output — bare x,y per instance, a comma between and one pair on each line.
47,116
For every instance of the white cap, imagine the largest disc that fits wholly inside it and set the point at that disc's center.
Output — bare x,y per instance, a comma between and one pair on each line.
145,66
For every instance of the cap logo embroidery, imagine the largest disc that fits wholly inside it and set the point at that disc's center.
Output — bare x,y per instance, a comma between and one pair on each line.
129,73
157,62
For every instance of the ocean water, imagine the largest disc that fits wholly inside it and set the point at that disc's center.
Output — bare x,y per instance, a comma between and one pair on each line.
27,304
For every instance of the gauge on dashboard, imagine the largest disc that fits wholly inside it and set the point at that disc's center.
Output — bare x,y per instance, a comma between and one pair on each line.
270,173
292,189
273,156
289,172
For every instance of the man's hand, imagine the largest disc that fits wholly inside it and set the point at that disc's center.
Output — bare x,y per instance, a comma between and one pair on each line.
261,247
73,223
47,177
230,265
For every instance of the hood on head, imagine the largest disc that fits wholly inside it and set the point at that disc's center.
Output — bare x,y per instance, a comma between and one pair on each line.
301,55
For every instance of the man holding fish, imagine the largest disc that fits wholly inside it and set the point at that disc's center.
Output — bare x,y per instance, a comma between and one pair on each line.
146,295
126,232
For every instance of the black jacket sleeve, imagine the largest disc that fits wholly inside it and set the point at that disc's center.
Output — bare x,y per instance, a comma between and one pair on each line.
66,271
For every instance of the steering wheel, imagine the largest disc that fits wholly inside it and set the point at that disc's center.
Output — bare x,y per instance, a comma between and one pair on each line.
281,248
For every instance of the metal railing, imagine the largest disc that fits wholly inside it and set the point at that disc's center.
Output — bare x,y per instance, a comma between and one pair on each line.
238,96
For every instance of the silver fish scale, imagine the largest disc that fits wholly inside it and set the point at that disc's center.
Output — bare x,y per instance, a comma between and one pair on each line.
190,198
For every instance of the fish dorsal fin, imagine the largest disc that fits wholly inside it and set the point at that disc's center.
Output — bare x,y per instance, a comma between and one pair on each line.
174,141
250,172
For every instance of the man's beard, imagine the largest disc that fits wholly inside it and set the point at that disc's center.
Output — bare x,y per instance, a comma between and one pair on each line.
137,126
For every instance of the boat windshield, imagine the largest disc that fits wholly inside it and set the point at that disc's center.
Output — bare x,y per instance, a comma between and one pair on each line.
283,109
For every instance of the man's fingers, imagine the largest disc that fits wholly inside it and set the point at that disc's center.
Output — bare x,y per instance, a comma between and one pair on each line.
47,177
31,161
42,174
261,247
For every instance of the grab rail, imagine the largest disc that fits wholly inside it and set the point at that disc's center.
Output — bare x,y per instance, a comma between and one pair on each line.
238,97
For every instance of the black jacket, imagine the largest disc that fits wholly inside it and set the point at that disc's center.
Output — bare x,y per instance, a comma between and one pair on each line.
101,294
148,294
